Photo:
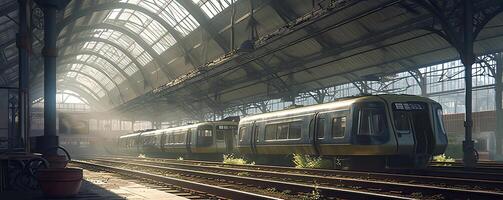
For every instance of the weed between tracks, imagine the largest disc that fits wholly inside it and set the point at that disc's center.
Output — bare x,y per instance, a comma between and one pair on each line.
230,159
307,161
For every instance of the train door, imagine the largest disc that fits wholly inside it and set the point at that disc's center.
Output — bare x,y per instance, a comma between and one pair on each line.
254,137
317,128
163,141
413,127
229,132
187,140
220,139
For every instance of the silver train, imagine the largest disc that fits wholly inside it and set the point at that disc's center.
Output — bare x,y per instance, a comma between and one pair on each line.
387,130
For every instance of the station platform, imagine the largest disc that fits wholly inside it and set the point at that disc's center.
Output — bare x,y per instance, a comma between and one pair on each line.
102,185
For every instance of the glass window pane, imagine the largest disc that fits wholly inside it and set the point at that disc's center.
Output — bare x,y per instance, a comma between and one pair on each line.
270,132
295,130
321,128
338,127
282,131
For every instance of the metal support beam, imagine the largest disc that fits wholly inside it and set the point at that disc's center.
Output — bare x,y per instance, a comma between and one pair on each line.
50,52
204,21
24,46
467,57
498,104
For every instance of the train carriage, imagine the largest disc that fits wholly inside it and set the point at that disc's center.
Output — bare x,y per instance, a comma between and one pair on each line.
391,130
202,138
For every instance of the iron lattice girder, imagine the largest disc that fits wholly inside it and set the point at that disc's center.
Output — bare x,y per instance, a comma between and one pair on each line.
115,45
232,64
449,15
370,38
148,48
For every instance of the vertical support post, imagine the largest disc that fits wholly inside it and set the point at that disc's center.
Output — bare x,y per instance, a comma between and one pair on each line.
49,52
498,104
50,138
233,16
467,57
24,46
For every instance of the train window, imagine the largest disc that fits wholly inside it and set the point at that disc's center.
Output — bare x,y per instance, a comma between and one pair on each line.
295,130
282,131
242,132
372,122
402,122
255,133
270,132
205,132
338,127
220,135
321,128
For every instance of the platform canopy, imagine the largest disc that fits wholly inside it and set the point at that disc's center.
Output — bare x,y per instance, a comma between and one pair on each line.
180,57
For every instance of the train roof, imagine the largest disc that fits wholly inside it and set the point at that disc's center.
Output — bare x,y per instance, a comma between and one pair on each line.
160,131
339,104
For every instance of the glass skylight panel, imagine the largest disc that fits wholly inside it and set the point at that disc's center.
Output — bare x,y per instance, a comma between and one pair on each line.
71,74
149,30
102,78
213,7
178,17
90,84
115,55
106,66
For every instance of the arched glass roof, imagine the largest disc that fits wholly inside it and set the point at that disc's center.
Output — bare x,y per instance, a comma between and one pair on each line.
116,55
126,52
107,67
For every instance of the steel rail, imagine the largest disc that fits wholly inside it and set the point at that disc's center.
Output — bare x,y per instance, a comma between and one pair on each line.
267,183
206,188
387,186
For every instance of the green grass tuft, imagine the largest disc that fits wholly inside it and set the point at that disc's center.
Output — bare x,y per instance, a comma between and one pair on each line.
307,161
230,159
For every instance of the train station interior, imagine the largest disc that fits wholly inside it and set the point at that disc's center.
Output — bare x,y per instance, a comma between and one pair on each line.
251,99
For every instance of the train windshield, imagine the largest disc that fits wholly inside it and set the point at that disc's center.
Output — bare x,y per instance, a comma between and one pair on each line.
403,115
371,123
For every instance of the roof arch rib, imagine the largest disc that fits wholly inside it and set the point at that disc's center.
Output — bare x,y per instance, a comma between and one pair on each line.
85,92
116,67
94,66
146,80
103,88
141,42
121,5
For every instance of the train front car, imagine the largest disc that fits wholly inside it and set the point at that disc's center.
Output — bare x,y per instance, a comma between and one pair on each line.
418,129
369,132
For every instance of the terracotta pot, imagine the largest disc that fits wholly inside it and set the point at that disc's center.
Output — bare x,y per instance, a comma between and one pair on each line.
60,182
57,161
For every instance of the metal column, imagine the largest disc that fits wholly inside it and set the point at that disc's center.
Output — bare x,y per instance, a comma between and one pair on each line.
50,138
467,57
498,103
24,46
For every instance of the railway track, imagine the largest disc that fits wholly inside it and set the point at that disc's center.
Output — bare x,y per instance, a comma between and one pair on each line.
225,180
201,190
324,182
447,177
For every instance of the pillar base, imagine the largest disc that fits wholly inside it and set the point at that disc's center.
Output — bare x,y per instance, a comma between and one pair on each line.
47,144
469,154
